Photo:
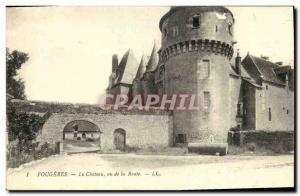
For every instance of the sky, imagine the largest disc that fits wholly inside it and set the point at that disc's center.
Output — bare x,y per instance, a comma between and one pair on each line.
70,48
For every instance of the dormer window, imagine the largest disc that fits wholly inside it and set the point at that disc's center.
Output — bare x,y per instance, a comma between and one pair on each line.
196,21
230,28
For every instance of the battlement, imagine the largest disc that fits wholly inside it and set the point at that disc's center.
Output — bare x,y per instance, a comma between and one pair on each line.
212,46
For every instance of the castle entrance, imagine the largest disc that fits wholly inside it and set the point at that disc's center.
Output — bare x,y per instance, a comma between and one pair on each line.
120,139
81,136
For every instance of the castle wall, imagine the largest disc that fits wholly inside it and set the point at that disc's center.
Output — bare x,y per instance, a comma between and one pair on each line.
235,92
139,133
148,85
281,102
137,88
249,106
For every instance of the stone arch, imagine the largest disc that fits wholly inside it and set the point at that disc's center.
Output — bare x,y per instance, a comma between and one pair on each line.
119,140
81,135
83,126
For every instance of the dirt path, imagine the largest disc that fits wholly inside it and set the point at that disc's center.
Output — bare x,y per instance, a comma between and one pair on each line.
98,171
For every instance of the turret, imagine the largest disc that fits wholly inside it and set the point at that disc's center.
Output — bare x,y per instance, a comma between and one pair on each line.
197,46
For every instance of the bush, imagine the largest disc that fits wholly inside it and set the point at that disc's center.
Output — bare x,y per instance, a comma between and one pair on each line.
251,147
19,153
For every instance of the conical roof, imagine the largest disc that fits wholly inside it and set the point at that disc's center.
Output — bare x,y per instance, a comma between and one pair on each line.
142,68
127,68
153,61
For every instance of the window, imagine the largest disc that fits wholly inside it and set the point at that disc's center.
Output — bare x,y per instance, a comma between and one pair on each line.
270,114
175,31
206,102
203,69
92,135
75,134
181,138
267,87
239,109
216,28
83,135
196,21
287,111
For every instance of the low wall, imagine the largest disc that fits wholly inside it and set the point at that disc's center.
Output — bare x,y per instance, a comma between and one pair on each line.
281,141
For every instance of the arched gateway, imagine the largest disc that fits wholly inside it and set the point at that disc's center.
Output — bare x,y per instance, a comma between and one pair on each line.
80,136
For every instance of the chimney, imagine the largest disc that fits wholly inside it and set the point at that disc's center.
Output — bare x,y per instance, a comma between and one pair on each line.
279,63
115,63
238,62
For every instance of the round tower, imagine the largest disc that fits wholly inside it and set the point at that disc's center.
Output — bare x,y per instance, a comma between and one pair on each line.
197,45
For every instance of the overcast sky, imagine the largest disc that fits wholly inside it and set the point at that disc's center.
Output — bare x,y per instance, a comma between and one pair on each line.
70,48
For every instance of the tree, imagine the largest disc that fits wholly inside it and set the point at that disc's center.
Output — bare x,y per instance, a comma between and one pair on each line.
14,61
23,126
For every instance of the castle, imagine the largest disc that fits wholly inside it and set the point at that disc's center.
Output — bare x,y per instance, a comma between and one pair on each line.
243,100
196,57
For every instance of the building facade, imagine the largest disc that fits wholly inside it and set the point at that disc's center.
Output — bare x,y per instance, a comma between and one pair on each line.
196,57
251,99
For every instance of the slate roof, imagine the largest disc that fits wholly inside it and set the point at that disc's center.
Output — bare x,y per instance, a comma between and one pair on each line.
142,68
282,69
244,72
266,69
127,68
250,81
153,61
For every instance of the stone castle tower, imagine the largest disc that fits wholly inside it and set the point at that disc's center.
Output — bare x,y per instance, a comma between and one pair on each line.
197,45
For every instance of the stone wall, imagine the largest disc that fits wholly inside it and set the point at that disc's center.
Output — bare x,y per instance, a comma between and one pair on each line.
141,130
184,54
249,107
235,98
281,102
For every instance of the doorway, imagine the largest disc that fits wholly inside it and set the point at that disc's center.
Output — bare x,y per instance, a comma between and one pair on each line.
120,139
